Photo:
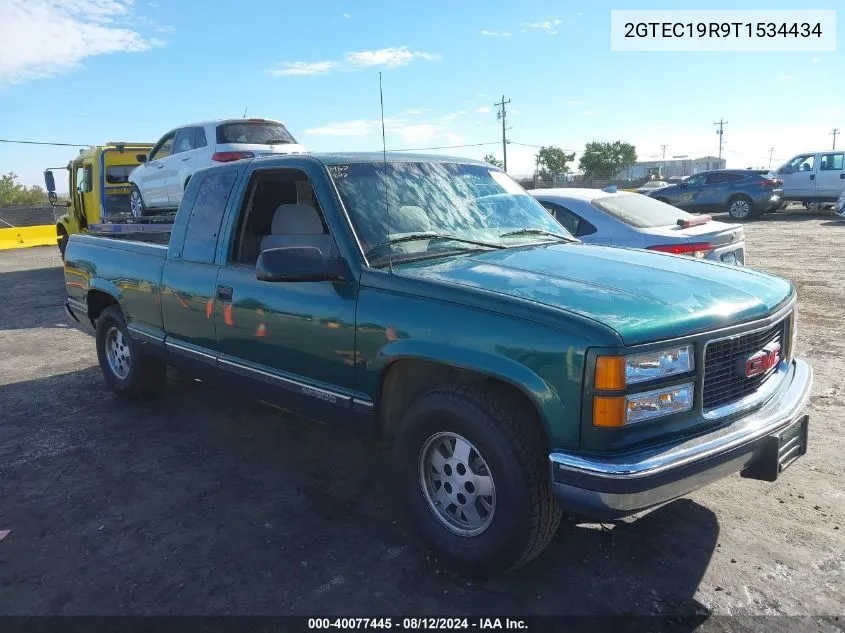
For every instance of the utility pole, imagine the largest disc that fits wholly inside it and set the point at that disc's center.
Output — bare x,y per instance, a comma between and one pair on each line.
663,147
834,131
720,132
771,151
503,115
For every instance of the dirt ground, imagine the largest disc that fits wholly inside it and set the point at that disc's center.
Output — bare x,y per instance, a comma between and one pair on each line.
201,502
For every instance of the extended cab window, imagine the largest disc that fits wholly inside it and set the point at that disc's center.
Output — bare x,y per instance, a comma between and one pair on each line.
831,162
206,216
280,209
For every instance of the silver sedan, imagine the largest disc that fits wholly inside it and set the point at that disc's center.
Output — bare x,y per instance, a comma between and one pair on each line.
622,218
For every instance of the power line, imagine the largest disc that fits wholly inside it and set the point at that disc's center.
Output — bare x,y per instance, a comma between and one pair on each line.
3,140
503,115
540,146
834,131
421,149
721,133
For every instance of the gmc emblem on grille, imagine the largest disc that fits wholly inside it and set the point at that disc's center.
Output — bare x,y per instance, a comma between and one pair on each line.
759,362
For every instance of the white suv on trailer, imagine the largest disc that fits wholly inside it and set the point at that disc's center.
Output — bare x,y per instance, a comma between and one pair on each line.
159,182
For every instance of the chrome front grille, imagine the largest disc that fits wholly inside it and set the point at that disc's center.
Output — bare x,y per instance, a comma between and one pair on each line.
723,383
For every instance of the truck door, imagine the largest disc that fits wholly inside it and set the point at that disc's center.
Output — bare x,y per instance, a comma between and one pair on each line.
799,177
84,197
297,336
190,272
830,181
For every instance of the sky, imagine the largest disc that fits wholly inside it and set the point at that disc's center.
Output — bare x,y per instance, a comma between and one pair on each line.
93,71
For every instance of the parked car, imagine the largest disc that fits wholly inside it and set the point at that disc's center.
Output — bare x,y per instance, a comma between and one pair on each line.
744,194
652,185
434,302
620,218
813,177
159,183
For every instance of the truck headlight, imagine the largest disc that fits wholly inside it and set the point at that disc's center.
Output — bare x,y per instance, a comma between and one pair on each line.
616,372
616,411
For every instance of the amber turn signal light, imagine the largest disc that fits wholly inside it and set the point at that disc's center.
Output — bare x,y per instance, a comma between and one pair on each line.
610,372
609,412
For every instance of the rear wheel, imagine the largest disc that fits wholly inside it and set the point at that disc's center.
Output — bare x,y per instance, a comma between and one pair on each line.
741,208
127,370
136,203
471,465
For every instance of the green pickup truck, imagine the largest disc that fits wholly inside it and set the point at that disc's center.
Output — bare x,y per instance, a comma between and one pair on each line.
515,371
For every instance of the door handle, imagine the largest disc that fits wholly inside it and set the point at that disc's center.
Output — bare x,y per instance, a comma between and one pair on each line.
186,158
224,293
159,166
842,176
812,176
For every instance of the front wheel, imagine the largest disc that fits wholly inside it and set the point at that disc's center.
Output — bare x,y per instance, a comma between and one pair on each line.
136,203
127,370
61,239
472,467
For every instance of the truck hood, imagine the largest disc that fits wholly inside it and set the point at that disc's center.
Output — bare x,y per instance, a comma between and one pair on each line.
643,296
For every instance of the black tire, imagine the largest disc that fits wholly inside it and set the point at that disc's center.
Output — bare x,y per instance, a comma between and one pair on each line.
141,209
741,208
510,441
61,239
144,374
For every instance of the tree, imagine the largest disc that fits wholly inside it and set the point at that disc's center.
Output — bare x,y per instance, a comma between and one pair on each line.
603,160
492,160
552,161
13,192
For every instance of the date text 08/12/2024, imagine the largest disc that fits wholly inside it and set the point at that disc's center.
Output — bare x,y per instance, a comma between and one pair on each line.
416,624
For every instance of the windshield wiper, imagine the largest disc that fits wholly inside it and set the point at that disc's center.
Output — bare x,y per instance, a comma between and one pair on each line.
276,141
537,232
428,236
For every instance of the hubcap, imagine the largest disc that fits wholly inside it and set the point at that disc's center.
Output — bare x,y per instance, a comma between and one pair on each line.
740,208
117,352
135,204
457,484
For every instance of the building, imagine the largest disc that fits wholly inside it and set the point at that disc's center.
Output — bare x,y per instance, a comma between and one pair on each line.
675,167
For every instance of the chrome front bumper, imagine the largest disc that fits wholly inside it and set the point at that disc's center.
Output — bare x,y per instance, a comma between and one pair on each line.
624,484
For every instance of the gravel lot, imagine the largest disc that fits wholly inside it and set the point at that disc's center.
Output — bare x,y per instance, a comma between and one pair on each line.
201,502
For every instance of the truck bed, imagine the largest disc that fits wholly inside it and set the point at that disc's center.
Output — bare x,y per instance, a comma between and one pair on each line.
127,269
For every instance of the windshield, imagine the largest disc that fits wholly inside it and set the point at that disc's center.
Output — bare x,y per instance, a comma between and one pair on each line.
653,185
641,211
254,132
471,202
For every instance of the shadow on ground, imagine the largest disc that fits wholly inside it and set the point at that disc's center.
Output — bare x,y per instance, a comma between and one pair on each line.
39,296
201,502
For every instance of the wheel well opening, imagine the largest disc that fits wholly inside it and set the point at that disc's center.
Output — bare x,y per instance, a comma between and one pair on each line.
406,380
97,302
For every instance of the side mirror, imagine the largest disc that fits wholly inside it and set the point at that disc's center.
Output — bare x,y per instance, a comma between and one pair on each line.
141,158
296,263
50,181
683,183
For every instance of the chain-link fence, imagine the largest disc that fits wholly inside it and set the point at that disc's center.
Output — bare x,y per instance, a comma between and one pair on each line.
15,216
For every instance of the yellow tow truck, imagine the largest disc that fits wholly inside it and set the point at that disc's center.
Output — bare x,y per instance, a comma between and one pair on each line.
98,189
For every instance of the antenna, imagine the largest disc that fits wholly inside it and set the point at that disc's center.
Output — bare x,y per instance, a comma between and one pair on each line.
245,109
384,160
